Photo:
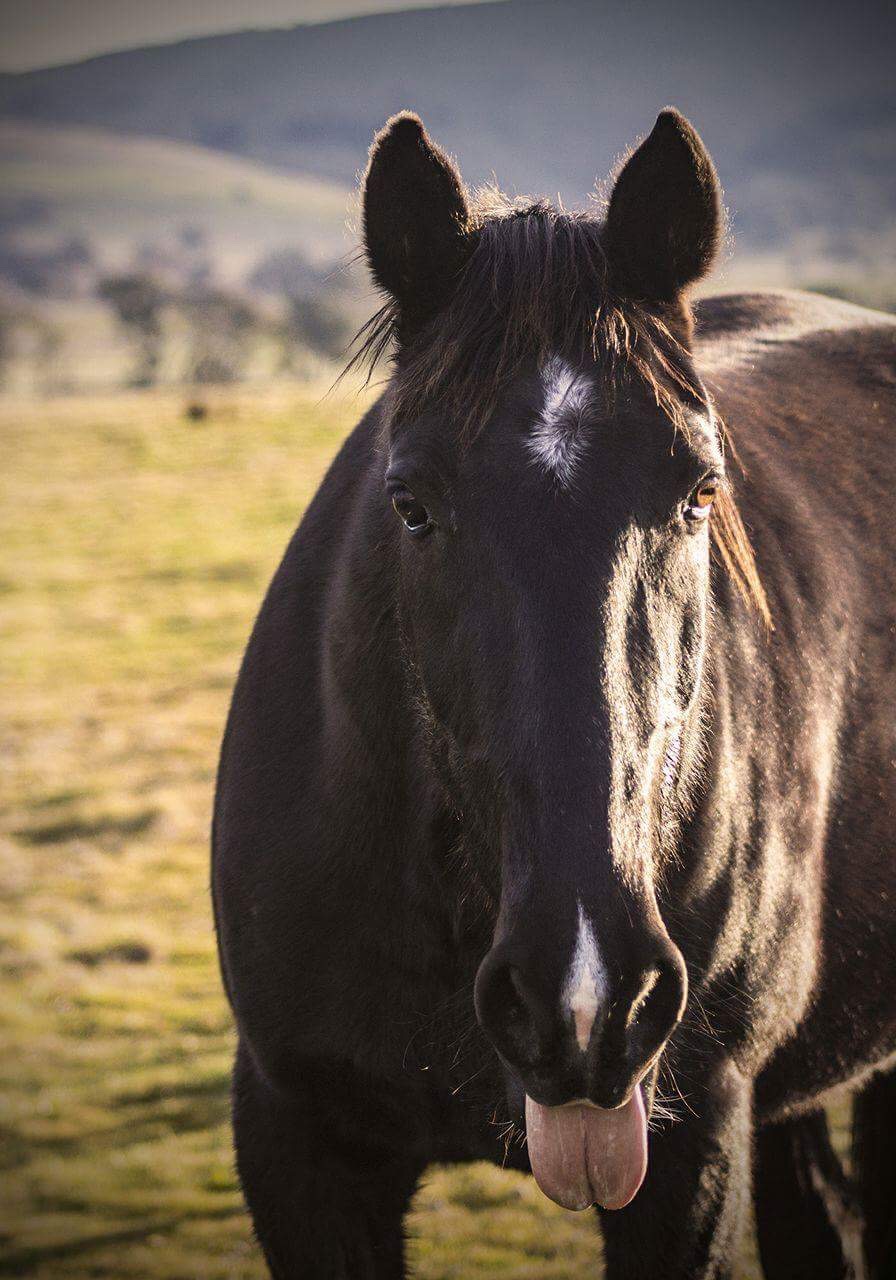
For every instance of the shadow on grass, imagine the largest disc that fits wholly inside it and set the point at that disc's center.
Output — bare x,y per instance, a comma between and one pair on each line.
243,571
88,828
122,952
191,1107
212,1087
56,799
14,1150
21,1262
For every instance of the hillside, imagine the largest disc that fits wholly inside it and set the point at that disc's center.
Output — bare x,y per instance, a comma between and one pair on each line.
122,194
228,165
796,101
220,237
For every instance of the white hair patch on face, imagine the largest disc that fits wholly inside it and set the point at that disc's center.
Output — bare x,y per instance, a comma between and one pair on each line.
586,984
556,440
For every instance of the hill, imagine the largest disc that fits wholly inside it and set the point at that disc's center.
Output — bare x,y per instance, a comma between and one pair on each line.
128,194
228,163
218,239
795,101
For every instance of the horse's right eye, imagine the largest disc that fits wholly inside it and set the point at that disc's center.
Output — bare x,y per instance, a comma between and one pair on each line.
412,513
700,504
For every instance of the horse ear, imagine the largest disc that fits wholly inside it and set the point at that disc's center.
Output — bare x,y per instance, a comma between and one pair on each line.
665,221
416,218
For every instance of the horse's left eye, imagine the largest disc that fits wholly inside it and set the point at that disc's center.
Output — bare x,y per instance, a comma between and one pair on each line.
699,504
412,513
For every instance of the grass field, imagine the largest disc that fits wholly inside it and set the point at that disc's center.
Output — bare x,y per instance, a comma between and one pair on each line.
136,546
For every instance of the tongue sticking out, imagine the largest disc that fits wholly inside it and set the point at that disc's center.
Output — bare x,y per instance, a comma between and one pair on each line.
583,1155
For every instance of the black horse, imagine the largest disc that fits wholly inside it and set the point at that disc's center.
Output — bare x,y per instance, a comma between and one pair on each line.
549,806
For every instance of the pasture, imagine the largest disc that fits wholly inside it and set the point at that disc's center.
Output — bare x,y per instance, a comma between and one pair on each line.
136,546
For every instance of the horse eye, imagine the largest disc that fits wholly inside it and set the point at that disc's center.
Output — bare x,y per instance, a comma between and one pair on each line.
700,502
412,513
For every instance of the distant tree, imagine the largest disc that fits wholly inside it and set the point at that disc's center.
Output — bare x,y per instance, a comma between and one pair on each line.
221,327
193,237
7,346
49,346
315,322
76,252
65,268
175,260
138,303
30,346
284,272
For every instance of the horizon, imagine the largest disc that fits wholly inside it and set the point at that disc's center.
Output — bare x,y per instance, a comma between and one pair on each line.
50,33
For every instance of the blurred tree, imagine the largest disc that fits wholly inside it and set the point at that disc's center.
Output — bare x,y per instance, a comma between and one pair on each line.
222,327
316,323
138,302
174,261
30,348
284,272
65,268
193,237
6,347
49,348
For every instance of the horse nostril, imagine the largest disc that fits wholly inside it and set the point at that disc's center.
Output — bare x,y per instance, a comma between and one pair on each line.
516,996
657,1006
509,1011
641,999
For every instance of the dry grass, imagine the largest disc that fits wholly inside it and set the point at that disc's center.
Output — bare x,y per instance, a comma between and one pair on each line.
136,546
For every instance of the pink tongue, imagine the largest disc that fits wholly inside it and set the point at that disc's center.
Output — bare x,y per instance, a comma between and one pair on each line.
583,1155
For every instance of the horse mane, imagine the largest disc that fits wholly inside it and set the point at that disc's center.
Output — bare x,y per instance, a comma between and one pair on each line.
537,283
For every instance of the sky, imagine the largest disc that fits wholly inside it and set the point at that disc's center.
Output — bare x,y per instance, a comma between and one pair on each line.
40,33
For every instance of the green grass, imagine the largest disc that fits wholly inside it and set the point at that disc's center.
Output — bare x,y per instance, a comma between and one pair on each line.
136,547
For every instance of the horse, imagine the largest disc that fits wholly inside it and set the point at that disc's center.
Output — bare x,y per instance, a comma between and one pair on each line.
555,813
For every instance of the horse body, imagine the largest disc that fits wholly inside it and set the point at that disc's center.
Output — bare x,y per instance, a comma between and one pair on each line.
810,386
360,899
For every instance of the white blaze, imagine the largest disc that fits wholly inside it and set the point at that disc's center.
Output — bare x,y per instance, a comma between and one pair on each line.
556,440
586,985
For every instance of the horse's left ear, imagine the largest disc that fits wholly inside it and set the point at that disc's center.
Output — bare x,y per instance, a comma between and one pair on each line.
416,218
665,222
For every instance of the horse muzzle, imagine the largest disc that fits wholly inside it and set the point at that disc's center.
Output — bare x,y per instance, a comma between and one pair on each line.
581,1031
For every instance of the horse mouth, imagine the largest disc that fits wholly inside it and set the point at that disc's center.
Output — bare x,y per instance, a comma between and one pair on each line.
583,1155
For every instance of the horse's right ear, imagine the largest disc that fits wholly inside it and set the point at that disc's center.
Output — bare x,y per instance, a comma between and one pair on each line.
665,220
416,219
